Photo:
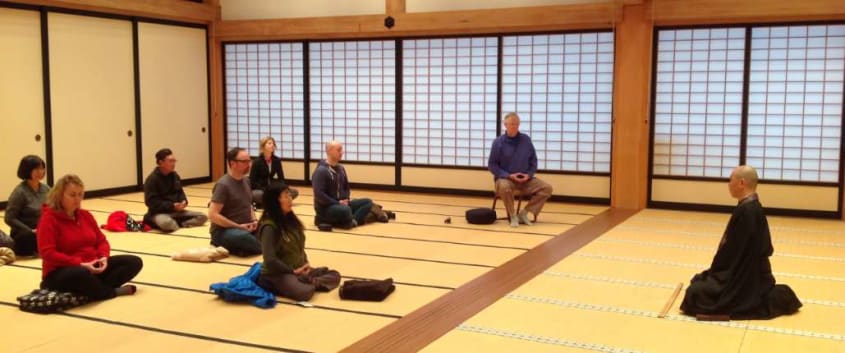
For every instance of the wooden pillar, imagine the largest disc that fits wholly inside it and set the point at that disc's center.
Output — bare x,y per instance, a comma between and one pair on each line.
215,67
394,7
631,93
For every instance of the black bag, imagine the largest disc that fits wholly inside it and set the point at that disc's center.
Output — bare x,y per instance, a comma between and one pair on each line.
481,216
367,290
44,301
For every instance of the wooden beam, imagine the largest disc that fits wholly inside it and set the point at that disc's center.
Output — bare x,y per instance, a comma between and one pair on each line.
527,19
176,10
215,66
394,7
685,12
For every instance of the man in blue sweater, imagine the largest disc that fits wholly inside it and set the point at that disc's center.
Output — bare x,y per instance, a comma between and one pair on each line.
331,192
513,162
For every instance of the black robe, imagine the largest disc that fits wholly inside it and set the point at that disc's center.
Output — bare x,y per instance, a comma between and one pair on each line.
739,282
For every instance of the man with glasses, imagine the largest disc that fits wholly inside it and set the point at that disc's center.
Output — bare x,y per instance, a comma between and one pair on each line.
233,221
165,199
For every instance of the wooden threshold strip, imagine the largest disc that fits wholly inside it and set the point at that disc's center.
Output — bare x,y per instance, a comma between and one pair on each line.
418,329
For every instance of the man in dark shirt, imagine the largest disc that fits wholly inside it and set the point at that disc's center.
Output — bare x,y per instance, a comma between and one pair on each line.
166,200
513,162
331,192
739,283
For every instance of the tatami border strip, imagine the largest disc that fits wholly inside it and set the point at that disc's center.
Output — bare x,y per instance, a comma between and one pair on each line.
280,300
338,231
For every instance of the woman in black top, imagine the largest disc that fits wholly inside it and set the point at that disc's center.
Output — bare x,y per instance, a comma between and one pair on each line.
265,169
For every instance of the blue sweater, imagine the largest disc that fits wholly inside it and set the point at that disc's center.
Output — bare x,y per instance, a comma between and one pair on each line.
512,155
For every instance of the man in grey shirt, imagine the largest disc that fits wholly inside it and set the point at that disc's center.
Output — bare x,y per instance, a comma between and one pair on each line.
233,221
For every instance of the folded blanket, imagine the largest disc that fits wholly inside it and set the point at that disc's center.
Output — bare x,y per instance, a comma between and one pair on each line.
244,289
208,254
44,301
367,290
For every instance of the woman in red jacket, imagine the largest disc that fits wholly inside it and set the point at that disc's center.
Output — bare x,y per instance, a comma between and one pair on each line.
75,253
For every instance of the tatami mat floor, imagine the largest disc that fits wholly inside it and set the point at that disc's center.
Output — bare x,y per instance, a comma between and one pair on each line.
606,296
173,309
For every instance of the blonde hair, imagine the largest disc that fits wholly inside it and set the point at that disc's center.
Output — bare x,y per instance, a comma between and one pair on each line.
262,142
54,198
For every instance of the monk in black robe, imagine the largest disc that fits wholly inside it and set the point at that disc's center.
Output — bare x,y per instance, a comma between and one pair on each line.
739,283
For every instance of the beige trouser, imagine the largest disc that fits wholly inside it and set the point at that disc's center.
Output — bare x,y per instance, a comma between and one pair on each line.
539,190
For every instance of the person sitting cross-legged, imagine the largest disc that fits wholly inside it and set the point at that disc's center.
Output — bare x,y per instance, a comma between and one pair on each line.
74,251
332,201
233,222
286,270
165,199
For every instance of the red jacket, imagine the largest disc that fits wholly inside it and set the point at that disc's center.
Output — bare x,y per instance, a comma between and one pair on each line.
64,242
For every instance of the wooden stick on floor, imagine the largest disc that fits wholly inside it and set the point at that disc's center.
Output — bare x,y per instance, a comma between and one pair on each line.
671,301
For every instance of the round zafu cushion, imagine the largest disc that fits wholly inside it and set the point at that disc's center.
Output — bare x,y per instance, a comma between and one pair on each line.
7,256
481,216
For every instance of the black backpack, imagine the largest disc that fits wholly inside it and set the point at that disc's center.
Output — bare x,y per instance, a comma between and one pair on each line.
481,216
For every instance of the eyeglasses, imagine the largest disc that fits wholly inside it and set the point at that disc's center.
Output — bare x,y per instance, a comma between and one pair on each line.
243,160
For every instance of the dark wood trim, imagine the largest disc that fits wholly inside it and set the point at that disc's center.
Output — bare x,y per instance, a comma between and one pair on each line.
48,102
113,191
173,10
421,327
463,192
136,84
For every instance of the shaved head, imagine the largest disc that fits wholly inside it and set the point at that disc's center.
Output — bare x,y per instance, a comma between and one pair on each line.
749,174
334,152
743,182
332,144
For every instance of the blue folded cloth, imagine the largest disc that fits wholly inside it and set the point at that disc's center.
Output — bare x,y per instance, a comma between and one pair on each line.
244,288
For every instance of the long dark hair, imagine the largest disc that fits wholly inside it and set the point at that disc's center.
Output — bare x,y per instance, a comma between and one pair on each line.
273,209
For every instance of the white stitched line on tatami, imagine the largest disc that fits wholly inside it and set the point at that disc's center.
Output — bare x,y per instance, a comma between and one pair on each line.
643,313
835,232
698,266
714,235
543,339
711,249
645,284
609,280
